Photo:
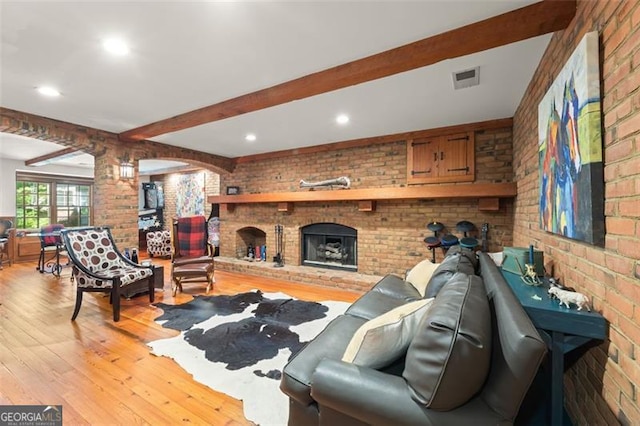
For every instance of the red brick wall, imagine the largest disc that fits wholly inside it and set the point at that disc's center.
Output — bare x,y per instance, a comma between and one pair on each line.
389,239
115,200
602,387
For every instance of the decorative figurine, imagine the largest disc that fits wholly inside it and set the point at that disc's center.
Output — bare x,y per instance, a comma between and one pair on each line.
567,297
529,275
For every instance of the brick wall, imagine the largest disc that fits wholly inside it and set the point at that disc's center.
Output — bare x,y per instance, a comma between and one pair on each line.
115,200
602,387
389,239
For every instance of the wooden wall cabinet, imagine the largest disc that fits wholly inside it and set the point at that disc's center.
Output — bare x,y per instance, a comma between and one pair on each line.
448,158
27,248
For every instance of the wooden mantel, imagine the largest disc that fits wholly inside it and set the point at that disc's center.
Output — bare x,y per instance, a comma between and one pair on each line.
475,190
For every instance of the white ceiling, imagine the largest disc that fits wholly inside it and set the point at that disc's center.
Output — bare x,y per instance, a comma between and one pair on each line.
187,55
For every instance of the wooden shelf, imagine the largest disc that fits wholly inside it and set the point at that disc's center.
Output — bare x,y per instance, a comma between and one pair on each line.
473,190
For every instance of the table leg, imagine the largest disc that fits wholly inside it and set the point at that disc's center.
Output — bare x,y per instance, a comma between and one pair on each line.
557,374
51,265
56,272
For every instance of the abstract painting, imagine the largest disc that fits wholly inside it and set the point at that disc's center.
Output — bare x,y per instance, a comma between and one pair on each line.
190,195
570,149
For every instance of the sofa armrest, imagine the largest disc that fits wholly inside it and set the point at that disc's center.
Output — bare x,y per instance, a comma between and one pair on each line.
374,397
365,394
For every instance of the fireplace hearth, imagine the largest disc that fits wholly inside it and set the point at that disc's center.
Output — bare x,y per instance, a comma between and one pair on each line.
330,245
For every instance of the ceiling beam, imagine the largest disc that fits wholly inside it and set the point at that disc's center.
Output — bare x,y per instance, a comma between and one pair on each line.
520,24
53,157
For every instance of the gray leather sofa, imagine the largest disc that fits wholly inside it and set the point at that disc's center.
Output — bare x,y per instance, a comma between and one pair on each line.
472,359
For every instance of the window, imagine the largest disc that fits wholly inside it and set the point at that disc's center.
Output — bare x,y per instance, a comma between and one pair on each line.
46,199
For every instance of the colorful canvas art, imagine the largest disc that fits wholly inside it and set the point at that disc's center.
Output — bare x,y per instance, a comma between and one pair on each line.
190,195
570,149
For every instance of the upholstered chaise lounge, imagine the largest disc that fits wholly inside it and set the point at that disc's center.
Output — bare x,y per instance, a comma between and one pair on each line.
469,359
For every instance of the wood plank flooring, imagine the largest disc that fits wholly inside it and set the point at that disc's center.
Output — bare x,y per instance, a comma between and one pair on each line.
102,372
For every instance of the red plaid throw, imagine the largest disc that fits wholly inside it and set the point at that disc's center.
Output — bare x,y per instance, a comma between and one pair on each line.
53,239
192,236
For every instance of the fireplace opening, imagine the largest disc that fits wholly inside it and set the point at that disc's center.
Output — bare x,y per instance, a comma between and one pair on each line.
251,244
330,245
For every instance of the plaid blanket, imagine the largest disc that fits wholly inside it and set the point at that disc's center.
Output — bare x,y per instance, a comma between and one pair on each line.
192,236
52,237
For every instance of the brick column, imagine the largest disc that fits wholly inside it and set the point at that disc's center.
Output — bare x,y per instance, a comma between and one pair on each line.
115,199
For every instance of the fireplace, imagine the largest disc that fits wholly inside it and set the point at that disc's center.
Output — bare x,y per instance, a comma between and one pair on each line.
330,245
250,239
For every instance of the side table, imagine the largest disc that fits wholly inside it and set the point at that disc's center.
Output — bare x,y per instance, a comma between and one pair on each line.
142,287
158,276
563,330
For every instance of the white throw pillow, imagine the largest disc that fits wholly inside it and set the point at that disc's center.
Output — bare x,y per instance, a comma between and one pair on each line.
497,257
382,340
420,275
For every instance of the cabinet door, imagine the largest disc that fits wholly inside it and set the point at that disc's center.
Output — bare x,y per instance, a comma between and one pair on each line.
449,158
456,158
422,157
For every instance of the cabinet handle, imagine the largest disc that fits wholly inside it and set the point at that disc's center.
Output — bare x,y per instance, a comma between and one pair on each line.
442,155
435,156
419,172
466,169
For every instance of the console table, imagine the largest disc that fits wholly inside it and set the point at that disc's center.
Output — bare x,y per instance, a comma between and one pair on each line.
563,330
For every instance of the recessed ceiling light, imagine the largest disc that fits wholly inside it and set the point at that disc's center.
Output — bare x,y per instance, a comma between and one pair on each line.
250,137
48,91
342,119
116,46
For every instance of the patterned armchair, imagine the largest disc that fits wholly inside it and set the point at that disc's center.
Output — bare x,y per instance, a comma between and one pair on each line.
98,266
159,243
7,241
192,255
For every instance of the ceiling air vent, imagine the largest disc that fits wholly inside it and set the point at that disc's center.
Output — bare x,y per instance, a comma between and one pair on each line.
466,78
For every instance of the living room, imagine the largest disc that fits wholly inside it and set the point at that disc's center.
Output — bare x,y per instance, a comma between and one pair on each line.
600,385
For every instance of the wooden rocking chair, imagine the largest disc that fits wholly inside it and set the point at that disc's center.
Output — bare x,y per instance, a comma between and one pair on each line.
192,258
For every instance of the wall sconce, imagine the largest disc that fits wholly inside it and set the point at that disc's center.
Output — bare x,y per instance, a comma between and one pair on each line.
126,169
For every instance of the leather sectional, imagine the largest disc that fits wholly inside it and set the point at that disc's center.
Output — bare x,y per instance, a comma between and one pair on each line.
470,360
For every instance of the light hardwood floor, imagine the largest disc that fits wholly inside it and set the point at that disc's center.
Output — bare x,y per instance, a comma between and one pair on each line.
102,372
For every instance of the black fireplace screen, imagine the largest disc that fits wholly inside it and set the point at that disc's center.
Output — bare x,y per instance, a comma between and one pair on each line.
330,245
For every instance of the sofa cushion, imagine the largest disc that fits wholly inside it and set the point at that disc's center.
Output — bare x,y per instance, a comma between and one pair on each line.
420,275
396,287
448,360
382,340
466,252
373,304
453,263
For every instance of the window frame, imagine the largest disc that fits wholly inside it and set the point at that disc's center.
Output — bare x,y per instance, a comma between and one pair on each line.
53,181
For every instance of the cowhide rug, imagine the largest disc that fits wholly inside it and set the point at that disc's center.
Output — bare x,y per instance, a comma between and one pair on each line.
239,344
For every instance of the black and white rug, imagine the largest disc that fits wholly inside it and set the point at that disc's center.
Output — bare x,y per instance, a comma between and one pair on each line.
239,344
